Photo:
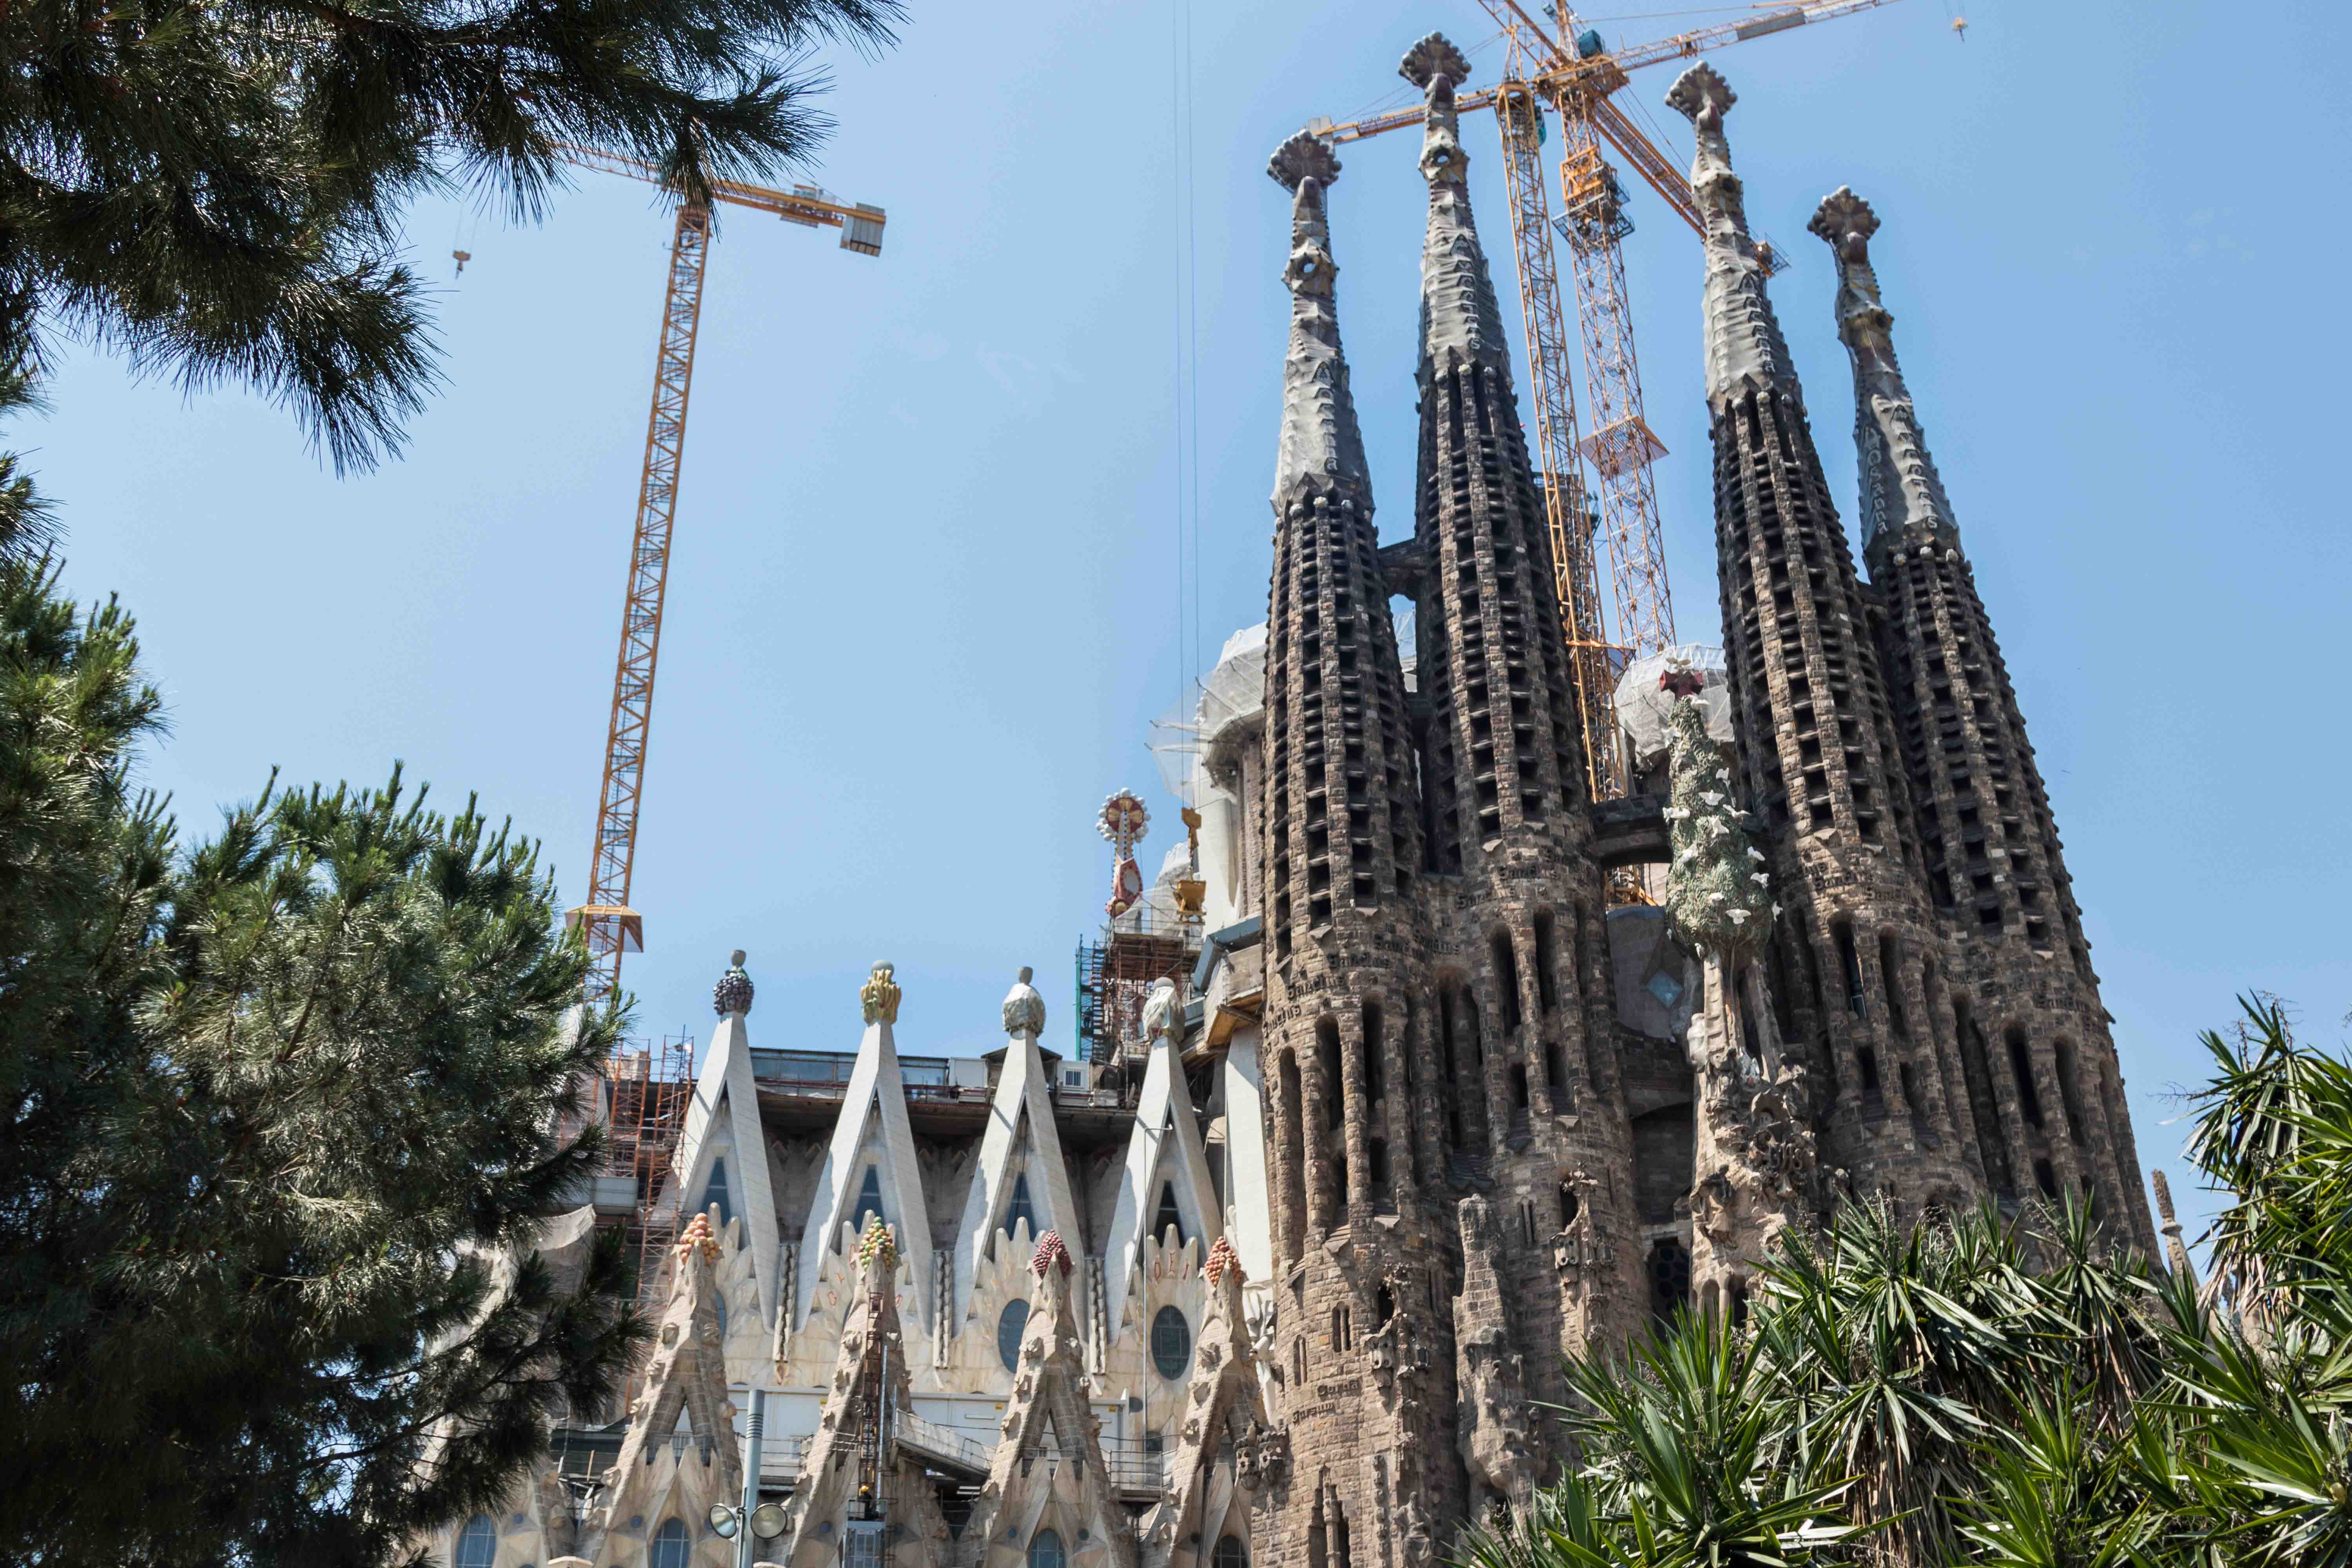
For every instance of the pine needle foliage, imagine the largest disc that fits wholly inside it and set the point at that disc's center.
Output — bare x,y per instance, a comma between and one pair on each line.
213,187
277,1103
1979,1388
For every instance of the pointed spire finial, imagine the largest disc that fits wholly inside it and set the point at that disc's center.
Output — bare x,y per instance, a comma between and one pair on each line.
1846,222
1432,58
731,997
880,995
1024,1010
1745,351
1321,442
1304,156
1434,65
1900,487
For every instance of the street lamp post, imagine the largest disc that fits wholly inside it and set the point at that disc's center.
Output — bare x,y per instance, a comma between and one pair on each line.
765,1518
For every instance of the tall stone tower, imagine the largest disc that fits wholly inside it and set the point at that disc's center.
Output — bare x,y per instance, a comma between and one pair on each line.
1529,1105
1358,1266
1817,737
2045,1108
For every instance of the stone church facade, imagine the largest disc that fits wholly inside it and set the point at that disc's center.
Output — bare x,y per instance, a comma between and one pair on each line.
1291,1285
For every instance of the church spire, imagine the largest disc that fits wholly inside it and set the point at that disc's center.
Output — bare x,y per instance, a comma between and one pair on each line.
1745,351
1900,489
1459,318
1321,445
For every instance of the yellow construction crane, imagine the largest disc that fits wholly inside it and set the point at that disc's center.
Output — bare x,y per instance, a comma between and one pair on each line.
614,928
1569,69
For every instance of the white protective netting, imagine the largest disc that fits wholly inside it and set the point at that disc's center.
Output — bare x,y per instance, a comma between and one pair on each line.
1641,703
1235,691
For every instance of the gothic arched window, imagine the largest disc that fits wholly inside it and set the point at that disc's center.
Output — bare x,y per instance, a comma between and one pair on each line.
870,1199
1230,1553
477,1543
1010,1326
1046,1551
1020,1211
1168,1214
715,1192
670,1547
1172,1343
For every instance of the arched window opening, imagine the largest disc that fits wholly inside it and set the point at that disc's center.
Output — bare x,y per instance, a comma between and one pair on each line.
1298,1361
1046,1551
1849,967
1327,1063
1670,1276
1890,979
1020,1211
477,1543
1507,979
1369,1065
1519,1085
1405,1052
1470,1026
1168,1216
671,1549
1384,1305
1563,1095
714,1191
2029,1098
1292,1158
1011,1324
1911,1091
1343,1328
1546,961
2070,1092
1568,1205
1527,1223
1739,1303
1866,1061
1784,994
1749,1040
2045,1178
1230,1553
1376,1166
869,1199
1341,1557
1172,1343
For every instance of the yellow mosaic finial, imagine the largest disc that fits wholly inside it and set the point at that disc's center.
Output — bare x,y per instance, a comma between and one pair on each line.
878,1242
880,995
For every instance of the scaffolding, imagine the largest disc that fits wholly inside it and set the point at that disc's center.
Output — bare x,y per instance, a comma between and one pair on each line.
647,1093
1116,974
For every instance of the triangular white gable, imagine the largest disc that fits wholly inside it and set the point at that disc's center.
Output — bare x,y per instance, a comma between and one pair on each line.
1020,1136
877,1095
1163,1149
722,1122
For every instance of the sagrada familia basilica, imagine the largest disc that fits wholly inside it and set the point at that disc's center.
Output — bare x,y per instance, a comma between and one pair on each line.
1288,1281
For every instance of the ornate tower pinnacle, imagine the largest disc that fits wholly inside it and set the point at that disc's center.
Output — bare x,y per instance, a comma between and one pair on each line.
1744,346
1320,441
1459,318
732,994
1900,485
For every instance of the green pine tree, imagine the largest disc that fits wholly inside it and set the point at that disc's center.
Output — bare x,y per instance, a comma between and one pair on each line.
216,189
274,1103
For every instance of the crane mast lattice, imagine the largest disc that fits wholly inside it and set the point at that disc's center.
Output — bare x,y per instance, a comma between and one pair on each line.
613,927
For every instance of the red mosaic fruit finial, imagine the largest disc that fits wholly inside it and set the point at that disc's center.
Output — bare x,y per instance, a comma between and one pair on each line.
1222,1256
697,1234
1050,1252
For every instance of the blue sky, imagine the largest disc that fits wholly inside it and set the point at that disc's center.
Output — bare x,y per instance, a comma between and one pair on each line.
925,596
